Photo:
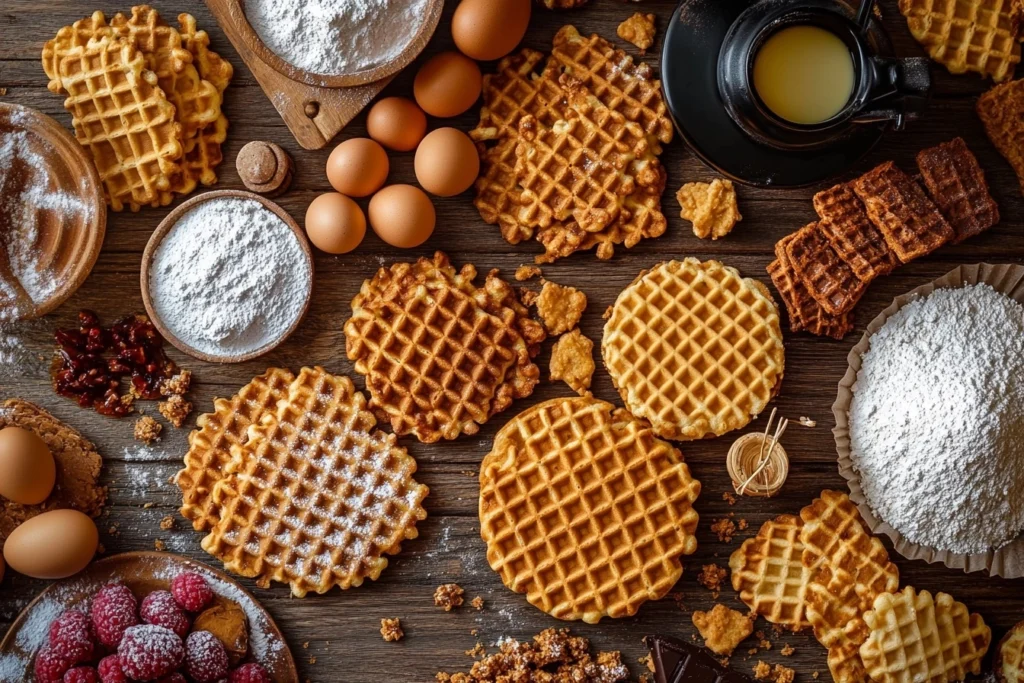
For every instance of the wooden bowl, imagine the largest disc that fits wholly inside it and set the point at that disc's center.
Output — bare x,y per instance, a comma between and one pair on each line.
144,572
68,246
236,10
165,227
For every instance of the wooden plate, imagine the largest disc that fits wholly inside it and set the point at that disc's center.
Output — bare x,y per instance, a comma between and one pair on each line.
143,572
252,40
165,227
64,247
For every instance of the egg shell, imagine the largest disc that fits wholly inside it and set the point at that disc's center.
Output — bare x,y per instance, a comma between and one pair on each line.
53,545
358,167
402,215
335,223
27,469
447,85
490,29
447,162
397,123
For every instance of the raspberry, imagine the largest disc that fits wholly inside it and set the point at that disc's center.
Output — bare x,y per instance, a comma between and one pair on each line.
82,674
149,651
51,665
206,660
249,673
113,612
160,608
110,670
173,678
70,635
191,591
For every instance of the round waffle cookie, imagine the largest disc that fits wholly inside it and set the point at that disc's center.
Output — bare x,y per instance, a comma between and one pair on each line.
585,510
694,348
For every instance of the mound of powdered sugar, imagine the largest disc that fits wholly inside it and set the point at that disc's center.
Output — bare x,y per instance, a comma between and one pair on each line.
937,420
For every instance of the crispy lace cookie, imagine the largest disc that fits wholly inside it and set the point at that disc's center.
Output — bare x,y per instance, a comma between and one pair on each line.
769,574
694,348
1001,110
440,355
572,360
317,496
956,182
915,638
711,207
852,234
968,35
75,35
1009,661
585,510
78,467
805,314
210,445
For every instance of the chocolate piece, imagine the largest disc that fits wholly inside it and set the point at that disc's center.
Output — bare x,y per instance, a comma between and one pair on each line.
676,661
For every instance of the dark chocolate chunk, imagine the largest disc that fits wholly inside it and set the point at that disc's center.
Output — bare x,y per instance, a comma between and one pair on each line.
676,661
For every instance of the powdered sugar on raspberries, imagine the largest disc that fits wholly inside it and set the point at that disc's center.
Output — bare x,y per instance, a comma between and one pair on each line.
149,651
206,660
50,665
191,591
160,608
82,674
110,670
113,612
70,636
249,673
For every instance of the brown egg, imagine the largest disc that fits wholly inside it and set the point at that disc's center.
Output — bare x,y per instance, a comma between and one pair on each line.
397,123
402,215
358,167
53,545
490,29
447,162
447,85
27,470
335,223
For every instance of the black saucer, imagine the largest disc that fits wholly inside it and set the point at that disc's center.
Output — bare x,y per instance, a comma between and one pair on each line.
689,73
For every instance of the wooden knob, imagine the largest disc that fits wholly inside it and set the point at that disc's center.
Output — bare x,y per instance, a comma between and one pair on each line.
265,168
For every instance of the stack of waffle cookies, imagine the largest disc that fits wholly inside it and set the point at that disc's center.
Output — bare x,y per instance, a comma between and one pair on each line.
145,100
293,482
569,148
824,570
868,226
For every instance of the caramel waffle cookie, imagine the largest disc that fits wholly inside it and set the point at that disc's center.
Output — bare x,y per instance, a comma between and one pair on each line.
440,355
1009,661
77,34
956,183
694,348
907,218
317,496
805,314
218,433
1001,110
968,35
585,510
829,279
915,638
851,233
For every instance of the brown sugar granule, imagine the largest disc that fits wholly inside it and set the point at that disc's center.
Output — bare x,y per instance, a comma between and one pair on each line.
449,596
477,603
560,307
780,674
177,385
477,651
725,528
147,430
742,525
729,498
167,523
391,629
722,628
711,577
639,30
175,409
524,273
787,650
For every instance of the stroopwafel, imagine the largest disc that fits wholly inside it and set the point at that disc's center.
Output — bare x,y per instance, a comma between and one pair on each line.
851,233
956,183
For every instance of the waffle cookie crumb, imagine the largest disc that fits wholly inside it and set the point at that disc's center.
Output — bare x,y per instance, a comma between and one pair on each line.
711,207
391,629
176,409
448,596
147,430
722,628
712,577
560,307
638,30
780,674
524,273
572,360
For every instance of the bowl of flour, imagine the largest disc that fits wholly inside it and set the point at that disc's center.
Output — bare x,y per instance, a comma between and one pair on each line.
338,43
227,276
930,421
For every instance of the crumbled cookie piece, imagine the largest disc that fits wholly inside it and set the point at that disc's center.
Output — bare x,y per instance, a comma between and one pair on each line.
711,207
787,650
177,385
711,577
159,545
476,651
639,30
572,360
524,273
722,628
563,4
176,409
725,528
448,596
147,430
560,307
391,629
477,603
167,523
729,498
780,674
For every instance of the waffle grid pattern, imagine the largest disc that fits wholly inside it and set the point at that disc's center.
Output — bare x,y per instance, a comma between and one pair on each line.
828,278
957,184
848,229
804,312
1001,110
1009,664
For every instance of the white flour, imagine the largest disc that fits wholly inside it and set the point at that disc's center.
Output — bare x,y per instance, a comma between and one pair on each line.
937,420
230,277
336,36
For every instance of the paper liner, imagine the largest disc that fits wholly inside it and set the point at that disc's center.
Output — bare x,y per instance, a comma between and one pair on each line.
1007,561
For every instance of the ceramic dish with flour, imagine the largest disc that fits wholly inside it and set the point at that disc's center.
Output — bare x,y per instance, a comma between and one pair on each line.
227,276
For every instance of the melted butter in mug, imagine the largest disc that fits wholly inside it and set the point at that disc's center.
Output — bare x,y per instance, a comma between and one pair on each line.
804,74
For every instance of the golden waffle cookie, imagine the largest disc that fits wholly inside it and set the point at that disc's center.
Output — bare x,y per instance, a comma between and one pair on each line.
956,183
844,662
915,639
585,511
440,355
212,67
77,34
829,280
769,574
896,204
851,233
318,495
694,348
968,35
805,314
1009,662
1001,110
217,433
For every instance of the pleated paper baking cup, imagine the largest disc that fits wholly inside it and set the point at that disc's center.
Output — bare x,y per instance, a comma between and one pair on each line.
1008,561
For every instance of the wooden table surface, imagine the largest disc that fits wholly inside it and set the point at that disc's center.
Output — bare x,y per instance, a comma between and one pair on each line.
335,637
